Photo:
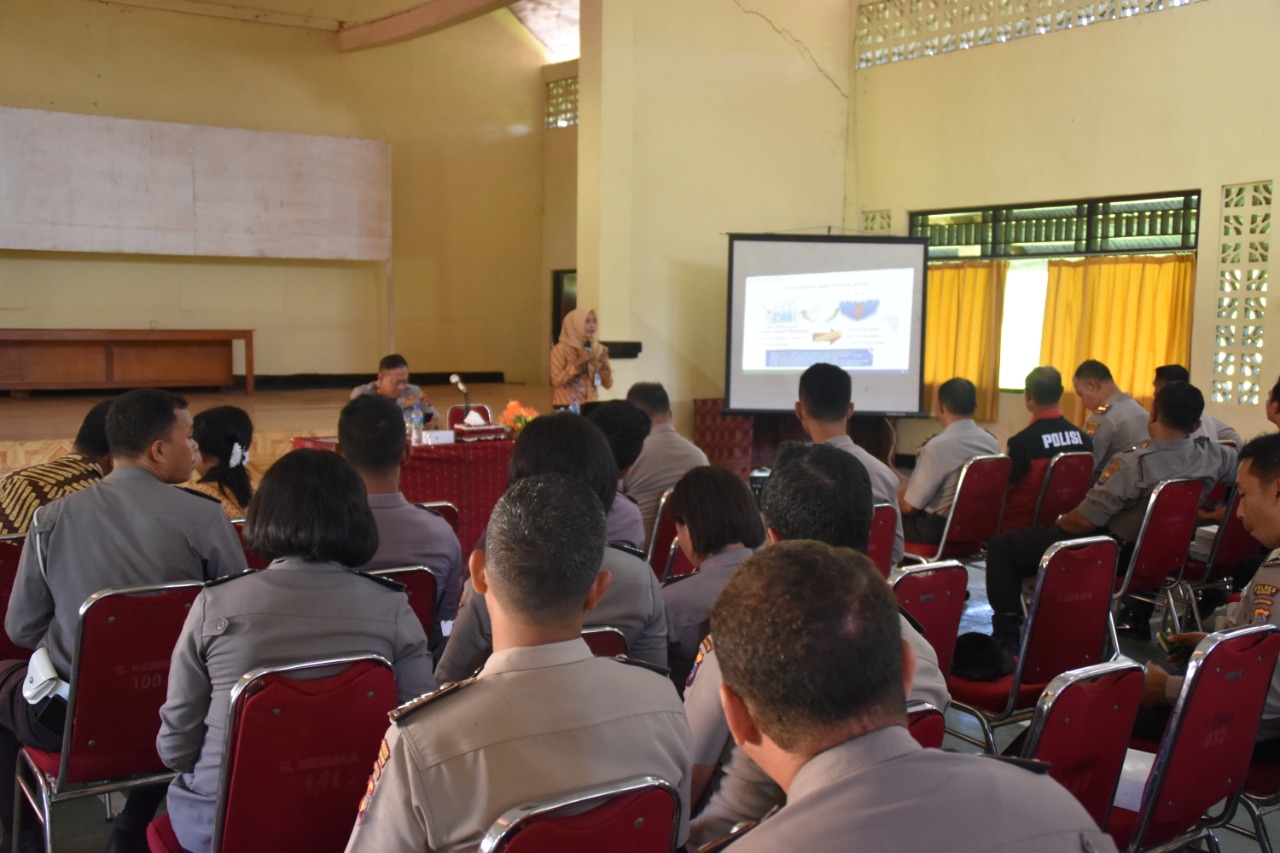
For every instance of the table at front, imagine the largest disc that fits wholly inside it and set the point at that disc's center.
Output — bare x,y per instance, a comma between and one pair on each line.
471,475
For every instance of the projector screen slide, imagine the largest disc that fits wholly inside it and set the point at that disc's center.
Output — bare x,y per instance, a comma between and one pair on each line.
854,302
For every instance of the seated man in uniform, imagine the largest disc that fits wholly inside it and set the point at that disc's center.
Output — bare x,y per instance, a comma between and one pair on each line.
1031,450
625,427
393,383
1114,506
823,714
824,409
131,529
927,497
544,716
1273,404
815,492
371,437
1115,420
25,490
1210,427
666,456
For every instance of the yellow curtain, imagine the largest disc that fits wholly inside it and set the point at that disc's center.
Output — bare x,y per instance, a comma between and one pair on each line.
963,308
1131,312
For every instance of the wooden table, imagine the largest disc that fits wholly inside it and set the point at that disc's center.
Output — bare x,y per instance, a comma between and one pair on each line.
64,359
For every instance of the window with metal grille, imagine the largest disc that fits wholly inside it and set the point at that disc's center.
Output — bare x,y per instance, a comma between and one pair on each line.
562,103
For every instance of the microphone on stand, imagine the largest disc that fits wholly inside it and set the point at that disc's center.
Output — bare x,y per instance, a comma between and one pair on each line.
586,347
466,399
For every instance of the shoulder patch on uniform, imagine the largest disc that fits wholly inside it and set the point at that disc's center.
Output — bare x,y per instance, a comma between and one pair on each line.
379,579
384,755
643,664
199,494
1112,467
228,578
926,441
704,649
1040,768
414,705
1091,427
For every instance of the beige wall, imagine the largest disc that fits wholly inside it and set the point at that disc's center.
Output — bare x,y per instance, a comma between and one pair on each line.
1175,100
461,109
559,204
697,119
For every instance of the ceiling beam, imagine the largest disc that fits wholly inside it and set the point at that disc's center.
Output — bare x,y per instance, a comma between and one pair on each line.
429,17
231,12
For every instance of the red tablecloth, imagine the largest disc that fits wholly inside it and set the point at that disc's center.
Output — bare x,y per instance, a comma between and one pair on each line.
470,475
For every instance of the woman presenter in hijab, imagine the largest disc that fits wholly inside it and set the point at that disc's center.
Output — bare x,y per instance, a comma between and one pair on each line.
579,364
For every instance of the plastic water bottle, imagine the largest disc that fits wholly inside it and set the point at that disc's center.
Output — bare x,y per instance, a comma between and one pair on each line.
415,422
574,407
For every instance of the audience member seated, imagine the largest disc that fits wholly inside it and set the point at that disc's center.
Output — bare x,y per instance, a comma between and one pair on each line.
625,427
927,497
718,527
371,437
815,492
1273,405
1114,506
1258,484
131,529
1210,427
544,716
665,457
393,383
569,444
1031,450
222,437
25,490
824,714
311,519
824,409
1115,421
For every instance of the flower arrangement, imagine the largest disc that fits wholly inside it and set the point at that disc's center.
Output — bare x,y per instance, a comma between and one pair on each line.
515,416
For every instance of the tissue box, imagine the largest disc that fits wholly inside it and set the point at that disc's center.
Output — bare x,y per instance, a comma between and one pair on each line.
1133,779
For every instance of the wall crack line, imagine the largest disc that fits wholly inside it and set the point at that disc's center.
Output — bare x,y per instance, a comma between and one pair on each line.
803,48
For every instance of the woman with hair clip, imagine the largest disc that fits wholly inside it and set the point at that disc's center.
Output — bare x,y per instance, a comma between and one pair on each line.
222,436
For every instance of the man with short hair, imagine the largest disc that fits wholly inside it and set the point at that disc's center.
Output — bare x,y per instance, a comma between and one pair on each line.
1210,427
1031,450
25,490
1115,506
824,409
543,716
625,427
927,497
1115,421
665,458
131,529
817,492
824,715
393,383
371,437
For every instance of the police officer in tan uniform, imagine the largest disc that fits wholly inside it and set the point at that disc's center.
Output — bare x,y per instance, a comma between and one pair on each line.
824,715
1210,427
1115,505
1116,421
543,717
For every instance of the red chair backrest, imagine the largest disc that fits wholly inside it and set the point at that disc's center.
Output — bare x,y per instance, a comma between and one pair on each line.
605,641
298,753
1205,752
1165,537
642,817
1065,484
1067,623
933,593
446,509
884,524
10,555
419,585
251,559
926,724
979,503
119,678
1081,728
1232,544
678,565
664,533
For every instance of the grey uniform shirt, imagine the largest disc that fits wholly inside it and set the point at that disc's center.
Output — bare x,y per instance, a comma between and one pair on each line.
128,530
688,601
1216,430
884,485
291,611
409,535
666,457
745,791
1118,424
1118,501
537,722
632,604
624,524
882,791
412,394
932,486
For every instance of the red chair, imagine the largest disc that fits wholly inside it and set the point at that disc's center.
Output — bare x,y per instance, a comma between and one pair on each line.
446,509
1232,544
926,724
251,559
884,526
421,585
1155,569
1204,755
1066,482
119,676
975,513
677,565
664,533
1067,628
636,815
1261,797
10,556
458,413
1081,729
933,593
605,641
